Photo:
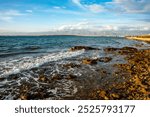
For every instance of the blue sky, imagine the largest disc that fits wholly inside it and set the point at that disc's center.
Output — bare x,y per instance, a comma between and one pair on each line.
66,15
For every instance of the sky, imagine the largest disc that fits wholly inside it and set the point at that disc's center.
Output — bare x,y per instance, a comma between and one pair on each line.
74,16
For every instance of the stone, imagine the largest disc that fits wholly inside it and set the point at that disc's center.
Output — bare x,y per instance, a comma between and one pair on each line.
127,50
110,49
75,48
70,76
57,77
89,61
105,59
71,65
42,78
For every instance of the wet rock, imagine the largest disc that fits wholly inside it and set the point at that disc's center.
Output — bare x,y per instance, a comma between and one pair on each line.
102,95
75,48
57,77
2,79
23,97
110,49
89,61
122,51
114,96
70,77
43,78
103,73
13,77
71,65
105,59
134,78
127,50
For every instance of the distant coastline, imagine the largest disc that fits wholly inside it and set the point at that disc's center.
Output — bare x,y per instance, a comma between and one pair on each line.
140,37
61,35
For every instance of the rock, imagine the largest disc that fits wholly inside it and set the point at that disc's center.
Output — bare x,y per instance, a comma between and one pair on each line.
2,79
133,77
75,48
109,49
89,61
71,65
70,76
94,61
103,95
23,97
114,96
42,78
127,50
105,59
57,77
122,51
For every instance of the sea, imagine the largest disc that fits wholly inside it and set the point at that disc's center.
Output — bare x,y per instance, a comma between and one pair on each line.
23,59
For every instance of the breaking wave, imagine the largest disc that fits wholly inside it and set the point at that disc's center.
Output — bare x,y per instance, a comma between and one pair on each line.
26,63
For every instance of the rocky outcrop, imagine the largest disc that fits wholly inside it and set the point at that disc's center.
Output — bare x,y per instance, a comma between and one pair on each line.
122,51
96,60
75,48
135,87
71,65
127,50
89,61
110,49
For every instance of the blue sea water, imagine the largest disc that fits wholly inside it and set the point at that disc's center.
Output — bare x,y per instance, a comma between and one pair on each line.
24,58
24,52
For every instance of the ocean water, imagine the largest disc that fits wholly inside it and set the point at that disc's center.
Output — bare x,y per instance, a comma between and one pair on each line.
27,57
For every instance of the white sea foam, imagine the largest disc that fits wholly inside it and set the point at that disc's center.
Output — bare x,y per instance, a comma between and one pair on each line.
25,63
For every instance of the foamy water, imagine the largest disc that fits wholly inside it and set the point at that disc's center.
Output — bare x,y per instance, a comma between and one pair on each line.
25,63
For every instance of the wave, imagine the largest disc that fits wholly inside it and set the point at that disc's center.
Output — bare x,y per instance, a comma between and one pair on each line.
3,55
32,48
26,63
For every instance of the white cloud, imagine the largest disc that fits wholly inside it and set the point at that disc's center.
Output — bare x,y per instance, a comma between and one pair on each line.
78,3
95,8
123,6
130,6
57,7
87,26
78,26
9,14
29,11
5,18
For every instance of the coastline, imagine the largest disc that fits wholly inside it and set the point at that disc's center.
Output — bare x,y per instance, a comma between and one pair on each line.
145,38
117,81
106,73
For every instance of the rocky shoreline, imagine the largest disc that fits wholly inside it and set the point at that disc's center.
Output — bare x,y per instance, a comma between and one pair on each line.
89,78
135,85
